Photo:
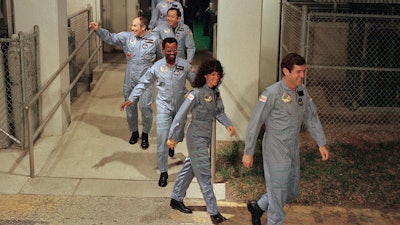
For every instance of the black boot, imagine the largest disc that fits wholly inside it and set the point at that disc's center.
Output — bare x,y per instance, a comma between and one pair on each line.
171,152
256,212
134,138
179,206
217,218
145,141
163,181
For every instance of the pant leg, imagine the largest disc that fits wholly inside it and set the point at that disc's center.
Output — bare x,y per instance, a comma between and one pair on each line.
132,117
131,110
294,179
183,180
201,166
163,121
145,102
278,185
263,201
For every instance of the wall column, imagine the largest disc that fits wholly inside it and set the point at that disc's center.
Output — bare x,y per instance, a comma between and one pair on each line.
238,49
51,17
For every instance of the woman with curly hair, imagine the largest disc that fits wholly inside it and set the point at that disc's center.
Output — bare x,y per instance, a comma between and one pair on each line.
204,103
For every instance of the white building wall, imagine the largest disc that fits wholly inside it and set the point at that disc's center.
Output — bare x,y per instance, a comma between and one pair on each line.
247,46
51,17
75,6
270,41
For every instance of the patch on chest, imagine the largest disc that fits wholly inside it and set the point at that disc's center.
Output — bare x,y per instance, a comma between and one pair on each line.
286,98
208,98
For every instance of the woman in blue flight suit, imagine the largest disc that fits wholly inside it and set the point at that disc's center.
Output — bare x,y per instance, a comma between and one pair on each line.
204,103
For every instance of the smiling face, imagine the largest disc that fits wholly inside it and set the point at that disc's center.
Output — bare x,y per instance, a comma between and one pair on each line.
170,51
294,78
172,18
137,28
212,79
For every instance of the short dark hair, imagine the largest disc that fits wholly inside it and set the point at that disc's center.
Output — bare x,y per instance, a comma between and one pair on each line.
143,21
178,12
169,40
205,68
290,60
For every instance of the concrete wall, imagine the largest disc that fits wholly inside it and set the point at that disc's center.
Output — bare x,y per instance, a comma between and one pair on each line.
75,6
120,11
51,17
270,40
247,46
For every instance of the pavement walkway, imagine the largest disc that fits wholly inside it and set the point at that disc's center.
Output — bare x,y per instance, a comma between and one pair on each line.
92,175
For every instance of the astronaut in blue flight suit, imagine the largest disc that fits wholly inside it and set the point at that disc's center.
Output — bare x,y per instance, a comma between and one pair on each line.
204,103
141,50
171,73
159,14
174,28
282,107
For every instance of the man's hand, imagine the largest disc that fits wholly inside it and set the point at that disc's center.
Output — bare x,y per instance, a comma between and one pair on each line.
94,26
171,143
324,152
125,104
247,160
231,130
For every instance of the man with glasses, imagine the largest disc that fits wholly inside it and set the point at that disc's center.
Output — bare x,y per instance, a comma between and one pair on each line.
171,73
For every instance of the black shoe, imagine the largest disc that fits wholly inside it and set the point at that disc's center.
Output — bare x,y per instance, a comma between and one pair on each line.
163,181
145,141
134,138
256,212
179,206
217,218
171,152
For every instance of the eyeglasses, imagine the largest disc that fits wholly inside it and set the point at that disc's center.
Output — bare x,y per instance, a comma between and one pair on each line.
170,50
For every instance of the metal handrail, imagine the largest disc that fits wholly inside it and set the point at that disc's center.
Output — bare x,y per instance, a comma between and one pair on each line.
32,135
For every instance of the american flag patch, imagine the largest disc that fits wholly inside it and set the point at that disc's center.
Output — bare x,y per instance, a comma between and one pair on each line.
262,98
190,97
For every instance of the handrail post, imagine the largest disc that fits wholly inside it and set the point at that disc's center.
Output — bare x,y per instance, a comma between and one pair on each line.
99,53
30,142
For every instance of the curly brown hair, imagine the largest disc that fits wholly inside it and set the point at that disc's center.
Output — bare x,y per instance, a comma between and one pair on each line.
205,68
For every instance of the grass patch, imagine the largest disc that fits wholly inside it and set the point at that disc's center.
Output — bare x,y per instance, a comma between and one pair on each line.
365,176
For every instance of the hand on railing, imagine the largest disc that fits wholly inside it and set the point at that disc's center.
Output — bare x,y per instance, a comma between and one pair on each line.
95,26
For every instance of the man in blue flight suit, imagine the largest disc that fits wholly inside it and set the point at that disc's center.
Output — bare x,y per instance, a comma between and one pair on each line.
282,107
141,49
180,31
159,13
171,73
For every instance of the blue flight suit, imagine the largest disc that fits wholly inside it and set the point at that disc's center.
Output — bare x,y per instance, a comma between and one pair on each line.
184,37
204,104
159,14
171,85
154,3
282,111
141,53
